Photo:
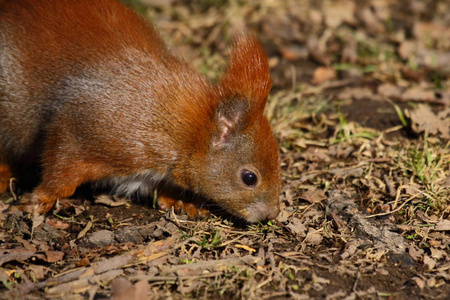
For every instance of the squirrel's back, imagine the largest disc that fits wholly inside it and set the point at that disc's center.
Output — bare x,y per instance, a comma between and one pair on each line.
89,92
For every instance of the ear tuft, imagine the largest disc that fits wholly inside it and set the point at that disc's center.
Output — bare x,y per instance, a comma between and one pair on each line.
248,74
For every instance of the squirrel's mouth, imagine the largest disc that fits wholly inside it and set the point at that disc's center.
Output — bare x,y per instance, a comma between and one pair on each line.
261,211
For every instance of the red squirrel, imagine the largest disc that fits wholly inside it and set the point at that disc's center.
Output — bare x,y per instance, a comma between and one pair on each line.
90,93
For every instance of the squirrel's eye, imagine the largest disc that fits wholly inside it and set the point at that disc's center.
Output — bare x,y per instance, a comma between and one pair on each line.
248,177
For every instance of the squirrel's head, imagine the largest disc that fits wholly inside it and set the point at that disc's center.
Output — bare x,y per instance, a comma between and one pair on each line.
240,166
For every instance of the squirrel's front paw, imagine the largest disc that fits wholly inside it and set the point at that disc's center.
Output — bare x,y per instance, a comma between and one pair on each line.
192,210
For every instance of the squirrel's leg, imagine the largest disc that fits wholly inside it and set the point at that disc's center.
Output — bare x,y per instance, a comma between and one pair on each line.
5,176
62,172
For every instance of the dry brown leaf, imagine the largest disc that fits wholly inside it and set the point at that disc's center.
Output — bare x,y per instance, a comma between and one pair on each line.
283,216
37,271
443,225
350,249
340,150
289,197
315,155
322,74
26,244
313,238
294,52
17,255
338,12
415,252
418,93
429,262
314,195
389,90
358,93
406,49
110,201
423,119
297,227
425,32
317,51
355,171
350,52
371,21
58,224
420,282
53,256
436,253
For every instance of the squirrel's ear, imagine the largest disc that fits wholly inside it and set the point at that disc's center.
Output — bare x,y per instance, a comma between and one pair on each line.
231,117
247,74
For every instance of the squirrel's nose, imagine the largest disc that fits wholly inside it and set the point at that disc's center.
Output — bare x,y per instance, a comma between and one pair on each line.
261,211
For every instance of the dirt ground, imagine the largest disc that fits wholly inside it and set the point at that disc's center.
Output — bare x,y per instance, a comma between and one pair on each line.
361,109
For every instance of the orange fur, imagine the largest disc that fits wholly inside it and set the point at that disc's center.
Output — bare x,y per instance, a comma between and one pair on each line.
89,92
5,175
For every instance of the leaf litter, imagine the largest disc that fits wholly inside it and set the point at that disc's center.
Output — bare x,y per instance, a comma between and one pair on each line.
360,107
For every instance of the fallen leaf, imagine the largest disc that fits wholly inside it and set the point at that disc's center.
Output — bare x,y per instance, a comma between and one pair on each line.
350,52
322,74
314,195
350,249
431,282
289,198
58,224
17,255
107,200
53,256
436,253
431,32
283,216
294,52
423,119
371,21
315,155
297,227
429,262
406,49
355,171
418,93
358,93
338,12
317,51
340,150
415,252
313,238
389,90
443,225
26,244
37,271
83,232
419,281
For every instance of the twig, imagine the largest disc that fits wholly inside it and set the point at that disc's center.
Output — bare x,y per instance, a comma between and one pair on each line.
174,278
396,201
391,189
